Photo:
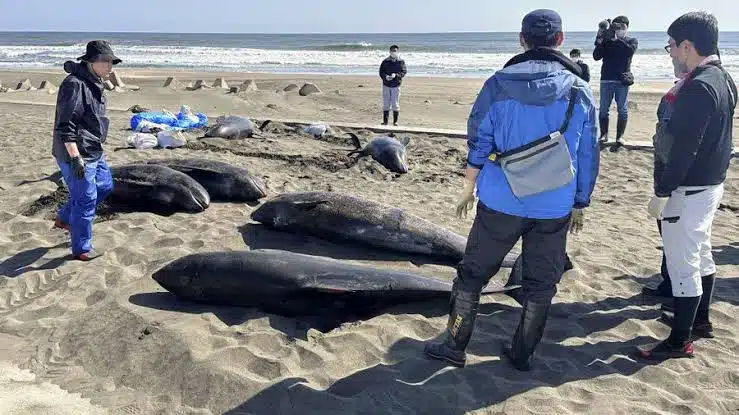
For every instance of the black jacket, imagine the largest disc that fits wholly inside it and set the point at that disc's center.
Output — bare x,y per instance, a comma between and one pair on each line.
391,66
616,55
81,115
700,131
585,70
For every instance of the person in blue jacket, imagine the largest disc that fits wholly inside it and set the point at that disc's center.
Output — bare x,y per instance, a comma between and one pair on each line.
518,106
80,130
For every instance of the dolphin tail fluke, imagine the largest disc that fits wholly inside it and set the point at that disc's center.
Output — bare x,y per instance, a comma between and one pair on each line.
264,124
355,141
498,289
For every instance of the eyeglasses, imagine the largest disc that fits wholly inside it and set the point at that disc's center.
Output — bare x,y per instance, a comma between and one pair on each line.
668,48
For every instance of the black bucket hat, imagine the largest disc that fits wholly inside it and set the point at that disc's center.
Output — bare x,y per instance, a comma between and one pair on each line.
99,50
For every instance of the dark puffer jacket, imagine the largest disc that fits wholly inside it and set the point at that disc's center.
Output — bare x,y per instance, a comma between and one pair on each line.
81,115
392,66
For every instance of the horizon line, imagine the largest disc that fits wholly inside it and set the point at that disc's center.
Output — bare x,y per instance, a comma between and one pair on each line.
315,33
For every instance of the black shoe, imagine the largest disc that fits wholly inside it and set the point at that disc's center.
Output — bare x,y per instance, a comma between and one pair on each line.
385,116
603,130
620,129
679,344
464,305
528,335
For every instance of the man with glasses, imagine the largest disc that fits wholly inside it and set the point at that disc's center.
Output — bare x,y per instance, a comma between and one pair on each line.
692,155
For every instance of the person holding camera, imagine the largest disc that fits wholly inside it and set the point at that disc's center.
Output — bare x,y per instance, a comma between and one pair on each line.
616,49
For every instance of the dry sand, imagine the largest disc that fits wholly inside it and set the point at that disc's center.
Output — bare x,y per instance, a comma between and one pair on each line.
89,337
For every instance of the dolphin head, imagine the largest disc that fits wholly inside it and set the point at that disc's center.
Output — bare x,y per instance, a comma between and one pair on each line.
176,277
286,210
394,159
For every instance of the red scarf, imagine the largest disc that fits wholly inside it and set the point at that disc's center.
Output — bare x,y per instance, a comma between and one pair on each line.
671,95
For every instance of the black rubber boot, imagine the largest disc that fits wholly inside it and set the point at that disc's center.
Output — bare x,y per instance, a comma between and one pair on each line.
603,130
464,306
702,327
680,343
395,117
621,129
385,115
528,335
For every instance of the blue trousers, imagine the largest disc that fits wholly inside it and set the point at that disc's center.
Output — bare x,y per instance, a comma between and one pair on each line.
610,90
85,195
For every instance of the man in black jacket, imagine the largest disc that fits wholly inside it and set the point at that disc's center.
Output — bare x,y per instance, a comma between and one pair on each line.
616,49
694,152
392,71
575,56
80,129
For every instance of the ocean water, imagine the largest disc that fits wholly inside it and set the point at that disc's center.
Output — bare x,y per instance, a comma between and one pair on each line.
476,55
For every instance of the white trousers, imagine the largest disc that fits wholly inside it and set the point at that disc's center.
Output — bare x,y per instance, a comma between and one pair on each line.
390,98
686,237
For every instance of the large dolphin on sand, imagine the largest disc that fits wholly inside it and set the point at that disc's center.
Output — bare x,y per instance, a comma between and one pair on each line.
223,181
336,216
157,188
297,285
233,127
387,151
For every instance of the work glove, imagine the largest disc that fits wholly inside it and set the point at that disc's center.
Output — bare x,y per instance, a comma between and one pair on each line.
657,206
393,75
577,220
466,200
78,167
388,77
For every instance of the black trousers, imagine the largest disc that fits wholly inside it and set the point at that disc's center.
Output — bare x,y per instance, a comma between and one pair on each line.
492,236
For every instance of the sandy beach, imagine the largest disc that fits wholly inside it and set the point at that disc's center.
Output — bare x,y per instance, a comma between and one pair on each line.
103,337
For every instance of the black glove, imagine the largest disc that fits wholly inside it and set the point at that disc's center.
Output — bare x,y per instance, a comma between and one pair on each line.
78,167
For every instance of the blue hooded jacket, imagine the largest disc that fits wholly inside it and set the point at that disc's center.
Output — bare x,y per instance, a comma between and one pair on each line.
524,101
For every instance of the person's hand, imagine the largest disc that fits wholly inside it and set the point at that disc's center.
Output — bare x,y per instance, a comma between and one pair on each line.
466,200
393,75
78,167
388,77
657,206
578,219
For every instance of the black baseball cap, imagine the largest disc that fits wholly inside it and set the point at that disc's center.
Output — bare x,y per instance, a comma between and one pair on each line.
541,24
99,50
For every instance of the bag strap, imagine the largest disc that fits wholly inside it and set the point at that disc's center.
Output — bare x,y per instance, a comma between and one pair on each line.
570,110
495,156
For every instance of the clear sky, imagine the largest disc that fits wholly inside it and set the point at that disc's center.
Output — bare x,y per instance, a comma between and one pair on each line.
339,16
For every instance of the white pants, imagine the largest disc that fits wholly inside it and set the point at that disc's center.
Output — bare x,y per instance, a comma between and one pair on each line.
686,237
390,98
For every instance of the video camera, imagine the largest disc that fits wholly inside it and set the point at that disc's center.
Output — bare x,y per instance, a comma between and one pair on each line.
607,29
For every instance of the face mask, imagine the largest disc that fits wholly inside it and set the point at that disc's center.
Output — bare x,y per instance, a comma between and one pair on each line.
620,33
393,55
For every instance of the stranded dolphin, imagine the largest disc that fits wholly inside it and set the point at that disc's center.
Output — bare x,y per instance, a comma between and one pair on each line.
234,126
157,188
336,216
386,150
297,285
223,181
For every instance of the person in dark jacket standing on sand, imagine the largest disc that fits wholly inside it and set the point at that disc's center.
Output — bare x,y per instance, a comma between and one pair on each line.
392,71
616,49
692,156
80,130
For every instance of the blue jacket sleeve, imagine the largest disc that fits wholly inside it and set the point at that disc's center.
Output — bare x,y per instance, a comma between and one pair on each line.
588,157
480,128
69,110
